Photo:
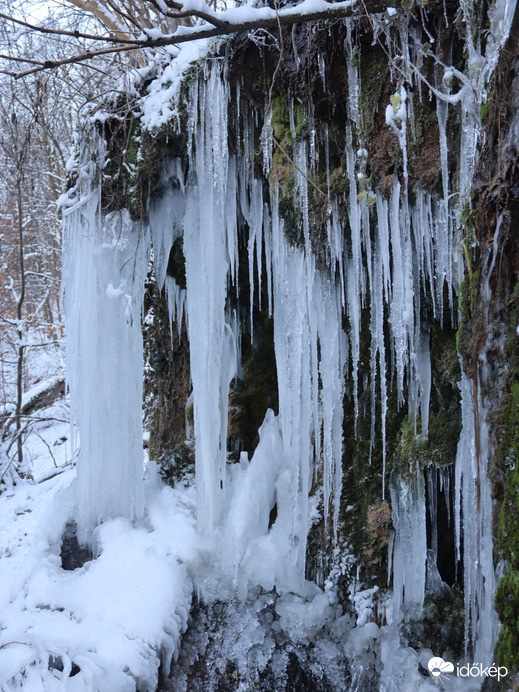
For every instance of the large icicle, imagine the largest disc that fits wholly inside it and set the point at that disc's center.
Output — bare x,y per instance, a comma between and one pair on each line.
410,544
473,517
210,211
105,261
293,339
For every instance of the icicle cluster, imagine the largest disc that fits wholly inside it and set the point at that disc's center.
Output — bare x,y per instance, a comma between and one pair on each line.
105,261
385,257
387,267
473,513
309,342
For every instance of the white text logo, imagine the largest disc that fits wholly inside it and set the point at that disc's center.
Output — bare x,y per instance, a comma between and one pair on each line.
438,667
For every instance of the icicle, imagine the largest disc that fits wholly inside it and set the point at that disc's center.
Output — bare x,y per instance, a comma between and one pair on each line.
300,158
353,77
378,287
253,214
310,358
480,70
431,473
401,309
166,213
327,313
105,264
176,302
396,118
423,240
322,70
410,546
294,368
354,272
447,491
234,322
231,219
473,517
267,240
206,249
444,232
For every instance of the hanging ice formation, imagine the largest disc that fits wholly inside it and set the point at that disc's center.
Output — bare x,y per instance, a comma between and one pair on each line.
310,413
410,254
105,260
387,255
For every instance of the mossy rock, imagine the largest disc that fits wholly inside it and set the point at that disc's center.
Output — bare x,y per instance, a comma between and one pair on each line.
177,465
251,396
177,263
374,68
507,608
441,626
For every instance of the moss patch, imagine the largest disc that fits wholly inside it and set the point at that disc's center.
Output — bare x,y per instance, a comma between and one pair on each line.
442,625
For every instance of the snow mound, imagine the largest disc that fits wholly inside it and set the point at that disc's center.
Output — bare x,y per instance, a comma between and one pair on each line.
108,625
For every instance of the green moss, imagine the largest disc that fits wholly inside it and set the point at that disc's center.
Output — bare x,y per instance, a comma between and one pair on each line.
468,299
507,648
374,72
484,113
280,121
505,477
292,218
397,157
439,446
507,431
441,625
409,450
507,608
121,188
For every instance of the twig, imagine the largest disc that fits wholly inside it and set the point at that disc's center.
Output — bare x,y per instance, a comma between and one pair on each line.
48,447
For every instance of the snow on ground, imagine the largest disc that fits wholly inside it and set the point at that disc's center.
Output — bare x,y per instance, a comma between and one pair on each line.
104,625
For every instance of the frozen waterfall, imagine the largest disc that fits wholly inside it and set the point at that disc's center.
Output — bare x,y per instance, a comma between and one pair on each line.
352,324
105,264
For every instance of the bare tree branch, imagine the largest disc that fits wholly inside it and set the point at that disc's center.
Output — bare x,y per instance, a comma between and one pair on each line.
228,23
63,32
17,59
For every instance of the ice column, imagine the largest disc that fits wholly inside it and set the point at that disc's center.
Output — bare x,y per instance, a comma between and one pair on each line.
473,516
166,216
210,216
105,259
410,543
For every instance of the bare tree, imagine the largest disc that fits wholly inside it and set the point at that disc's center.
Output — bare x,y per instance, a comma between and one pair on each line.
15,144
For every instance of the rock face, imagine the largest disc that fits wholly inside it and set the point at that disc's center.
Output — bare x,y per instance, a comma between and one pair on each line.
367,282
490,332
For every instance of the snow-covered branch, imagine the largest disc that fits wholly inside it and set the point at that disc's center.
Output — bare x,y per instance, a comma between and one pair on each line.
208,23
